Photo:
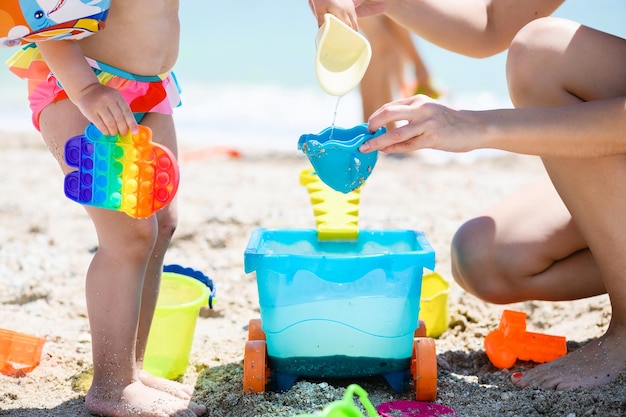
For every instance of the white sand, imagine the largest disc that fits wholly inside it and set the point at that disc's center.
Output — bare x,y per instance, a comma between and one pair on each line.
46,243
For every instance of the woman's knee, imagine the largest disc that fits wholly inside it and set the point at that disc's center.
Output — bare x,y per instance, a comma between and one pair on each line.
534,62
468,249
475,265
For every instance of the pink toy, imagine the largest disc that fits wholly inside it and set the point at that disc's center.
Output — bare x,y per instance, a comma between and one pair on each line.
414,409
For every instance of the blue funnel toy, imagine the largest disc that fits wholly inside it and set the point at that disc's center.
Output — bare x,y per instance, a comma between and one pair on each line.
335,155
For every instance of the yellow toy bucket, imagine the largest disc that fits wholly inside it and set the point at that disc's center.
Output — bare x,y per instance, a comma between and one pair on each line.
174,324
434,304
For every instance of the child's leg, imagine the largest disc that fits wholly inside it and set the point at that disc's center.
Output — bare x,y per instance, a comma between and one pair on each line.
163,132
114,287
531,246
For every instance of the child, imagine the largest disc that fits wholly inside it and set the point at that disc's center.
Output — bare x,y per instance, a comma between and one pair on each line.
564,240
94,80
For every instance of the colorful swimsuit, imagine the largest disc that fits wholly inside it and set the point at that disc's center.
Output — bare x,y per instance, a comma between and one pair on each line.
144,94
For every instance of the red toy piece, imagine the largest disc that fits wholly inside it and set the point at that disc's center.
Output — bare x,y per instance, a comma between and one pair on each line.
511,342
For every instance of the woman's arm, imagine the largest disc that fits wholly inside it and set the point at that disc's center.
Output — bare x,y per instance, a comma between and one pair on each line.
587,129
477,28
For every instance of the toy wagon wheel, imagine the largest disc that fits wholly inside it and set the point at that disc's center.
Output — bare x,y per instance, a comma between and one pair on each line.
424,368
421,330
255,330
255,369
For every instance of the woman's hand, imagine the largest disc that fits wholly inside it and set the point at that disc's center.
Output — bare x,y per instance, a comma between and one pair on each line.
344,10
347,10
429,124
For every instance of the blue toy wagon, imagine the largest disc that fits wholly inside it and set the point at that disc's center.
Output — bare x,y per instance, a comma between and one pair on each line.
338,307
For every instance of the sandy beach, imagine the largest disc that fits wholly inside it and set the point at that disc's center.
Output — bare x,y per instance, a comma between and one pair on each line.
47,241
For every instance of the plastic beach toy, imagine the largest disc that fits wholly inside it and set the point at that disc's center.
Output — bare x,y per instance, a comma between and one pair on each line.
434,304
336,214
339,309
183,292
335,155
346,407
193,273
341,58
124,173
25,21
404,408
338,302
511,341
19,353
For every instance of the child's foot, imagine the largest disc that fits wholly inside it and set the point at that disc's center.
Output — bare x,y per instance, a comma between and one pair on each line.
598,362
138,400
171,387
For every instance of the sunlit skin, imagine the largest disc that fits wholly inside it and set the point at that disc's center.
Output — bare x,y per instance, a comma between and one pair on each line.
552,242
141,37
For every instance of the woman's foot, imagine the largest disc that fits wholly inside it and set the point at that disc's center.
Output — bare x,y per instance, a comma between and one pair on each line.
138,400
598,362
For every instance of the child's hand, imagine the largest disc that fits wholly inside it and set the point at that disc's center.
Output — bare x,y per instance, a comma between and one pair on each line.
106,109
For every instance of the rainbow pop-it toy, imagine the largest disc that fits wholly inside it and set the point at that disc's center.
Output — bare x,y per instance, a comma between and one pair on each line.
124,173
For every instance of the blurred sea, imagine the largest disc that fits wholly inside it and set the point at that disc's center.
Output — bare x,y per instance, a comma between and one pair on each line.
248,81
